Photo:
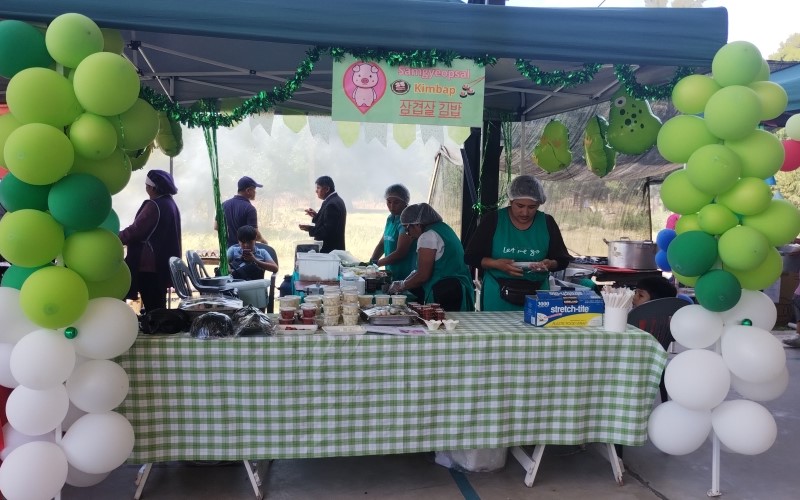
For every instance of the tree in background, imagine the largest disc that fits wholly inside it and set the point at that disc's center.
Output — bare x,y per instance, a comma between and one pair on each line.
789,49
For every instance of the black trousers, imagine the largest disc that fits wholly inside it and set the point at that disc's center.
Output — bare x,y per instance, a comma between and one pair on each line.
152,292
446,292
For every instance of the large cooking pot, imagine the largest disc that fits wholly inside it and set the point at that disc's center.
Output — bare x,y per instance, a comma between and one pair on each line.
632,254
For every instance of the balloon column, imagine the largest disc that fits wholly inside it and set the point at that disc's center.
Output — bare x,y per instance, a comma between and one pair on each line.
64,144
724,245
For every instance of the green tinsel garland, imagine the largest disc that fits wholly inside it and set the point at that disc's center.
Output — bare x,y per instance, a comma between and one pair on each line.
558,78
627,77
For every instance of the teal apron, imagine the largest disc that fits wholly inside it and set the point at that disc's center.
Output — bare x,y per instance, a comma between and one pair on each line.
391,233
451,265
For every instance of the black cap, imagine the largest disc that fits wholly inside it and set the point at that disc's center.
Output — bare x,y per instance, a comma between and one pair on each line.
247,182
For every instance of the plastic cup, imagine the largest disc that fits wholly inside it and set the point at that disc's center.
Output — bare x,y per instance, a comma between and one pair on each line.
615,319
382,300
349,319
365,300
287,312
330,310
398,300
350,309
308,310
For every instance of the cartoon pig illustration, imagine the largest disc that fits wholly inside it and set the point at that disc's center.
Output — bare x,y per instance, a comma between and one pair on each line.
365,78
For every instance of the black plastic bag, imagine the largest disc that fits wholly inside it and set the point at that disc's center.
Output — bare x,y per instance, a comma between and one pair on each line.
251,321
212,325
161,321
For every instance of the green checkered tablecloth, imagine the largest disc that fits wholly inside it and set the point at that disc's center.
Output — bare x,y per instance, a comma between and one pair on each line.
493,382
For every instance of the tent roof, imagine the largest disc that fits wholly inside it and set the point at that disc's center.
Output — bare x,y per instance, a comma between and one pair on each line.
236,48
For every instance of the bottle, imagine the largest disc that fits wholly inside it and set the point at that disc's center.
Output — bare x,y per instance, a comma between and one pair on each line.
286,285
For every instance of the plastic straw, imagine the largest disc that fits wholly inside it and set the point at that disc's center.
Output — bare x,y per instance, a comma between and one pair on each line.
621,298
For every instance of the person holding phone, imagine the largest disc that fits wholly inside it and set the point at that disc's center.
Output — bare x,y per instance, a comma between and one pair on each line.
246,260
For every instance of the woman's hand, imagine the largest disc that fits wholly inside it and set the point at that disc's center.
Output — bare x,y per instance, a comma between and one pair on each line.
505,265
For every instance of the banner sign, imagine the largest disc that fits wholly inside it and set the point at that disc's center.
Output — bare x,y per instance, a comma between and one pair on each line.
366,91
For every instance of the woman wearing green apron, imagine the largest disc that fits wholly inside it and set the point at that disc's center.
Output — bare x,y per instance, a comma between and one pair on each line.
399,251
516,247
441,275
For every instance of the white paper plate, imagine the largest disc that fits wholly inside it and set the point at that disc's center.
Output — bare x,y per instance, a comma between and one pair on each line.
295,329
344,330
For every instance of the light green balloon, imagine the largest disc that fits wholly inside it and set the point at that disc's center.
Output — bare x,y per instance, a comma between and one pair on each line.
112,41
762,154
38,154
736,63
780,222
106,84
686,280
792,127
733,112
763,73
40,95
691,93
71,37
713,169
681,136
8,124
686,223
140,157
116,286
742,248
95,254
93,136
763,275
716,219
114,171
53,297
773,99
30,238
137,127
749,196
680,196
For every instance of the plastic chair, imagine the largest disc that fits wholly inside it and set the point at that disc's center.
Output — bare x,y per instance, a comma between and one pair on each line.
654,317
271,295
180,279
179,266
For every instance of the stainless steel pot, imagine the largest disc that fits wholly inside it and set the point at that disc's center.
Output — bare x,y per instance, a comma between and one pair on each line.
632,254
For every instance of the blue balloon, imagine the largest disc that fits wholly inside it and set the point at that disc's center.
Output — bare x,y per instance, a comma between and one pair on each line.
662,262
770,181
664,238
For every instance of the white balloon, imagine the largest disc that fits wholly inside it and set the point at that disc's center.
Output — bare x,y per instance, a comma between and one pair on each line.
80,479
752,354
792,127
33,471
98,442
676,430
98,386
107,329
6,378
34,412
755,306
73,414
13,439
744,426
762,391
15,324
697,379
696,327
42,359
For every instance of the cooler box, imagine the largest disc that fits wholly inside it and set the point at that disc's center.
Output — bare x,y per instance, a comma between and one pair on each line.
564,308
316,267
253,292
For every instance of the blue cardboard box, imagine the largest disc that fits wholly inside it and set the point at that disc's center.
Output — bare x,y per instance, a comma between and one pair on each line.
550,309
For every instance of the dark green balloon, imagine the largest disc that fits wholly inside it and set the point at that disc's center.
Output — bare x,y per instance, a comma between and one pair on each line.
717,290
112,222
15,276
21,47
15,194
692,253
79,201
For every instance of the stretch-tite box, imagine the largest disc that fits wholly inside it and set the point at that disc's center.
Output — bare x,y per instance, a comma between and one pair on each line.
551,309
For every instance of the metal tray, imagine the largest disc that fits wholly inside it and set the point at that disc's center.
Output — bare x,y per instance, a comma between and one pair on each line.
404,316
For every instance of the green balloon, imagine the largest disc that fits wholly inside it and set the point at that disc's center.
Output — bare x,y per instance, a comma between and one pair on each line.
15,276
30,238
552,152
79,201
762,276
773,99
40,95
137,127
114,171
716,219
112,222
736,63
95,254
21,47
53,297
16,195
779,223
93,136
686,280
717,290
106,84
632,126
71,37
749,196
140,157
742,248
691,93
761,153
8,124
680,196
763,73
733,112
713,169
112,41
692,253
38,154
116,286
689,222
681,136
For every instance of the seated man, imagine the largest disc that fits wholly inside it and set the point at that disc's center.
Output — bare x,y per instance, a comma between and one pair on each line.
245,260
654,287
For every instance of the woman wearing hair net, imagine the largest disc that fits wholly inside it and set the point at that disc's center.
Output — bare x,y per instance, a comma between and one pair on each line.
396,245
441,275
516,247
152,238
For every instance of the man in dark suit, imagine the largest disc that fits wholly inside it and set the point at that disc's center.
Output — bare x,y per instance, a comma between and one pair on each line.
329,222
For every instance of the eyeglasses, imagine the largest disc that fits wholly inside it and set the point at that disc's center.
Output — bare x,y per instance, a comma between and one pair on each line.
406,226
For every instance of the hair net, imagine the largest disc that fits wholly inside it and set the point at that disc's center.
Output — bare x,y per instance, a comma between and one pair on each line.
526,187
398,191
421,213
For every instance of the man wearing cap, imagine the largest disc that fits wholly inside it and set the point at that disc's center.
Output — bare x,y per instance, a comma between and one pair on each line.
240,212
